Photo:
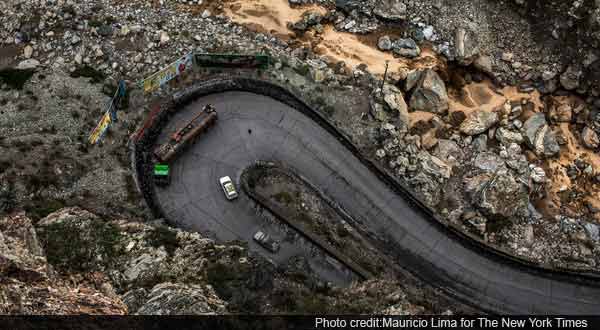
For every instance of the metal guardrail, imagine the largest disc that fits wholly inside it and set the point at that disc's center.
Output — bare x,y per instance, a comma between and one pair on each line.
258,61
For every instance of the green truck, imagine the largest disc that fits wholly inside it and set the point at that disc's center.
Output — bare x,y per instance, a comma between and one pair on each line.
162,175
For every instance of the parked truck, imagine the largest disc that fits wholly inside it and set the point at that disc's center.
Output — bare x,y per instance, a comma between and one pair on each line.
162,175
186,135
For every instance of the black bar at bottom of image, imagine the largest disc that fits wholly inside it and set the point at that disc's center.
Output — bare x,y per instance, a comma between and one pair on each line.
299,322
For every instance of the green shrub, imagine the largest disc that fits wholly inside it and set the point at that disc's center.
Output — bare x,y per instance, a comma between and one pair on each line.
38,209
7,196
88,72
328,110
15,78
302,69
283,197
163,236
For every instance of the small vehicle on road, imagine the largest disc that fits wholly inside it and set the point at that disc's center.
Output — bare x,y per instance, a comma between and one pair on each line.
266,241
162,175
228,187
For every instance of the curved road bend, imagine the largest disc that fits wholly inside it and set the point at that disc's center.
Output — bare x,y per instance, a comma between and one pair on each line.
280,133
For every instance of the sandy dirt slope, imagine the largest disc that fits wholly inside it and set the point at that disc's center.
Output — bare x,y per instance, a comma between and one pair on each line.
272,16
560,181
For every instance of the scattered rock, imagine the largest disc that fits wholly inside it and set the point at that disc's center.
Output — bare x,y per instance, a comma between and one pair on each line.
395,100
435,166
590,138
31,286
506,136
488,162
467,46
393,10
484,63
28,64
499,195
430,93
560,110
406,47
507,57
540,137
179,299
379,112
538,175
164,38
385,43
570,78
412,79
28,52
478,122
593,231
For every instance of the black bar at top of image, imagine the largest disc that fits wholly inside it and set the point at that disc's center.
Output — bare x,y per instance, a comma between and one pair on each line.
298,322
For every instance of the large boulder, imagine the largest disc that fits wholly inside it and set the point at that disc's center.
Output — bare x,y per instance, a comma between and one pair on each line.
448,151
498,195
385,43
145,268
30,285
175,299
467,46
379,112
347,5
479,122
435,167
570,79
406,47
20,251
560,110
430,93
393,10
540,137
394,99
506,136
488,162
590,138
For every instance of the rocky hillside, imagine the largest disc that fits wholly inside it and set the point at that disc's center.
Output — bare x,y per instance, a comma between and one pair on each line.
32,286
73,262
499,134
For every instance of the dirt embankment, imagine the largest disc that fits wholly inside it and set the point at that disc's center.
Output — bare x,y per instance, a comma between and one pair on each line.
273,16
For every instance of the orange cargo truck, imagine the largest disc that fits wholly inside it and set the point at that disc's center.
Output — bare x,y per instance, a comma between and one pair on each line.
186,135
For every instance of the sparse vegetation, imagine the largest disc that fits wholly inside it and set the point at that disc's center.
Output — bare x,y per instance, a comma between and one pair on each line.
283,197
15,78
40,208
80,246
163,236
302,69
7,196
89,72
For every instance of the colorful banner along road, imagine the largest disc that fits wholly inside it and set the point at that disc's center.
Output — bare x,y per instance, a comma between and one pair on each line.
165,75
109,116
101,128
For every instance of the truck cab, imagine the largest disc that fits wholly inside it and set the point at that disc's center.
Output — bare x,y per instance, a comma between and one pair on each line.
162,175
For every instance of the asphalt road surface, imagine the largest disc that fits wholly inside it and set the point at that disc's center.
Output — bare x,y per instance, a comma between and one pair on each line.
253,127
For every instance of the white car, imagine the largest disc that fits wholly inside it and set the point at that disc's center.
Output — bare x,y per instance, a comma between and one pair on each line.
228,187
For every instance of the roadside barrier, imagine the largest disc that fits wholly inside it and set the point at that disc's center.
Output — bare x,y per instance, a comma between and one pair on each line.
176,69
